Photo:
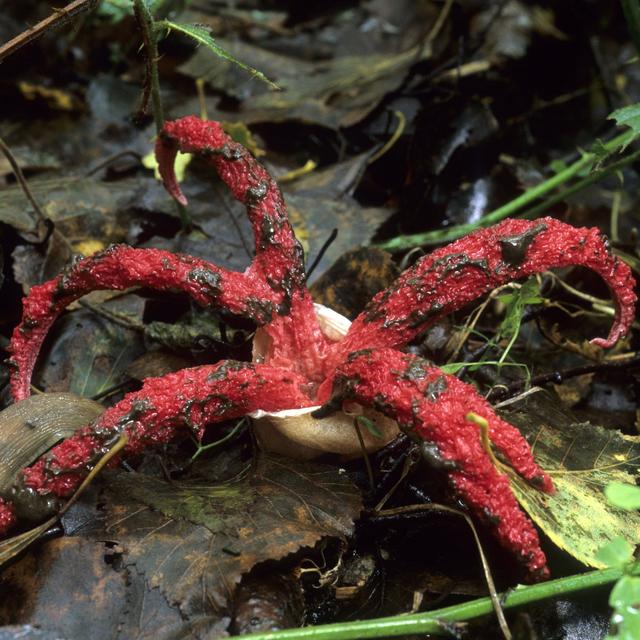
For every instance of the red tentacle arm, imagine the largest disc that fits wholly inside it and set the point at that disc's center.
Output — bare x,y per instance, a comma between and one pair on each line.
121,267
457,274
279,259
271,292
432,406
178,403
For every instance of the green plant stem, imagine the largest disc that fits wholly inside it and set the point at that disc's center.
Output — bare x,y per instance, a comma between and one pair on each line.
515,206
631,9
596,176
218,443
435,622
147,26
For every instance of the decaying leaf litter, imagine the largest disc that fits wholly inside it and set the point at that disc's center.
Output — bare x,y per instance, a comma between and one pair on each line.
465,146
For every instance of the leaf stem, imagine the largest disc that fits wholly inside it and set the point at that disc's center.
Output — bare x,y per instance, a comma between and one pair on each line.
437,622
515,206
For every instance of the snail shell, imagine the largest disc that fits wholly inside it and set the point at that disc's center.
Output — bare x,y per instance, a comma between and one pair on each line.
30,428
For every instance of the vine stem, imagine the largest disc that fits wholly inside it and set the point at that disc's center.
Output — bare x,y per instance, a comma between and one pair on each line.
515,206
148,26
581,184
438,621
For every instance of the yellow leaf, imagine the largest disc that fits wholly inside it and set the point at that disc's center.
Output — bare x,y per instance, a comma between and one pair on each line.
88,247
55,98
181,164
582,459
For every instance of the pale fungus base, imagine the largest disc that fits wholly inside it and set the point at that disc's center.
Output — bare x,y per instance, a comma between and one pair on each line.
295,433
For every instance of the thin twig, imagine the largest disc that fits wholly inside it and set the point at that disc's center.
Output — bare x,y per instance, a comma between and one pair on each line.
558,377
41,217
493,594
323,249
116,156
365,455
58,18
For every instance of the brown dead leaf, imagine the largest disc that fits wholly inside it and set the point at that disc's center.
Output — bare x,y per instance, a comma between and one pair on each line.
194,541
66,587
354,279
334,93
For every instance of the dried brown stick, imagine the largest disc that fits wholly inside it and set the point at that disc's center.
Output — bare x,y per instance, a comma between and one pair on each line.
58,18
43,226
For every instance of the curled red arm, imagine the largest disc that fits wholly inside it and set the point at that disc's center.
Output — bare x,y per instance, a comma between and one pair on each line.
457,274
121,267
432,406
279,256
178,403
272,291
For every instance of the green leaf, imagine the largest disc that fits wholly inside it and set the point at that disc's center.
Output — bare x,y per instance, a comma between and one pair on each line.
117,10
624,599
631,10
623,495
628,117
202,36
616,553
454,367
528,293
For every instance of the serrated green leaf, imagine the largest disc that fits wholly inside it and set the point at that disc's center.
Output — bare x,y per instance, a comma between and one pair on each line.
627,117
202,36
616,553
623,495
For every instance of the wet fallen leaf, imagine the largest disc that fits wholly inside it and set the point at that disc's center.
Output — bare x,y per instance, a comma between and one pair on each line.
80,207
32,266
509,28
353,279
197,331
582,459
66,587
153,364
33,426
194,541
334,93
320,202
89,354
29,160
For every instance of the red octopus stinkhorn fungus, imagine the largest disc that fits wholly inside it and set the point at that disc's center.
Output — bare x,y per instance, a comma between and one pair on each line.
302,367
